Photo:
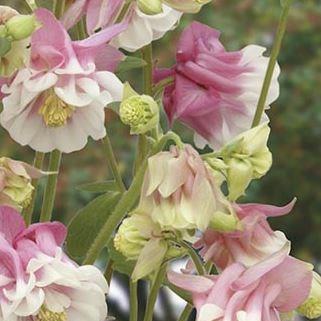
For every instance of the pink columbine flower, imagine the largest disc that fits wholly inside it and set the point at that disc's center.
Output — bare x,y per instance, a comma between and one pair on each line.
179,191
255,242
215,92
59,100
38,282
142,28
261,293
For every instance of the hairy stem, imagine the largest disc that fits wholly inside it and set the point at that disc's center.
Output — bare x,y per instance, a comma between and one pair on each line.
154,293
37,163
272,63
51,186
133,301
112,163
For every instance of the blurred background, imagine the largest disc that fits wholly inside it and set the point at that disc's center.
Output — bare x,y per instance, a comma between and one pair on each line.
295,138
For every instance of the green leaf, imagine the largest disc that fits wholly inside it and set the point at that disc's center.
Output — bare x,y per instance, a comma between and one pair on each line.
130,63
99,187
87,223
120,262
5,46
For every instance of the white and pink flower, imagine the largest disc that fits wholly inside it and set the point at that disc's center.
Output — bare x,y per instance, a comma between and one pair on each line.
38,281
59,100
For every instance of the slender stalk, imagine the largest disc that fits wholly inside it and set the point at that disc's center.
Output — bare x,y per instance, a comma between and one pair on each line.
112,163
37,163
32,4
109,271
51,186
125,204
133,301
273,59
58,8
147,55
186,313
142,151
196,259
154,292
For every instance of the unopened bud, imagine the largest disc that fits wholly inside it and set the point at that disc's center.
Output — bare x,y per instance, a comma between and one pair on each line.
21,26
150,7
311,308
140,112
223,222
189,6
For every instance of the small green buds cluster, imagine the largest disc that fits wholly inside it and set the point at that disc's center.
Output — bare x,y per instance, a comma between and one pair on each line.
140,112
188,6
15,30
311,308
150,7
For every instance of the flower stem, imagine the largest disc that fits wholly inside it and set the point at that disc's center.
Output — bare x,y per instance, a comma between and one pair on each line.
196,260
58,8
147,55
109,271
154,292
51,186
112,163
32,4
37,163
273,59
133,301
186,313
125,204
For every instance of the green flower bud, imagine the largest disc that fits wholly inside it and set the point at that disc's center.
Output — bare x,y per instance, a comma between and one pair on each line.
188,6
223,222
150,7
21,26
311,308
140,112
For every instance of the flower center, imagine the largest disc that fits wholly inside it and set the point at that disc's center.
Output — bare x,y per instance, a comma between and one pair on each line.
54,111
47,315
311,308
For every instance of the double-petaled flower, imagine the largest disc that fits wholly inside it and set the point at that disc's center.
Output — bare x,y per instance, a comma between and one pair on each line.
38,282
215,92
59,100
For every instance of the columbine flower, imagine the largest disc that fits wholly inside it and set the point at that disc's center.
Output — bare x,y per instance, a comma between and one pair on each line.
311,307
256,241
179,191
140,239
15,31
38,281
247,157
140,112
261,293
16,182
142,28
215,92
59,100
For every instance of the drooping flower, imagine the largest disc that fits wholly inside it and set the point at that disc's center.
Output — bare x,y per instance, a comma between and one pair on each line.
142,28
15,31
246,157
179,191
38,281
16,182
256,241
59,100
261,293
215,92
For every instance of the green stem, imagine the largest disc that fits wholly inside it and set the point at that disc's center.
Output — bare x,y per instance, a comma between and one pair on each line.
109,271
272,63
154,293
58,8
112,163
32,4
125,204
196,259
123,11
141,151
51,186
133,301
37,163
147,55
186,313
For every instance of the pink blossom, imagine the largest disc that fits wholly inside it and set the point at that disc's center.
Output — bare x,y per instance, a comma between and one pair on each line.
215,92
179,192
141,29
59,100
261,293
37,278
254,243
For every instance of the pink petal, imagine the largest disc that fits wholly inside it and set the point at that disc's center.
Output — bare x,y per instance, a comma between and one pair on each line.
74,13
